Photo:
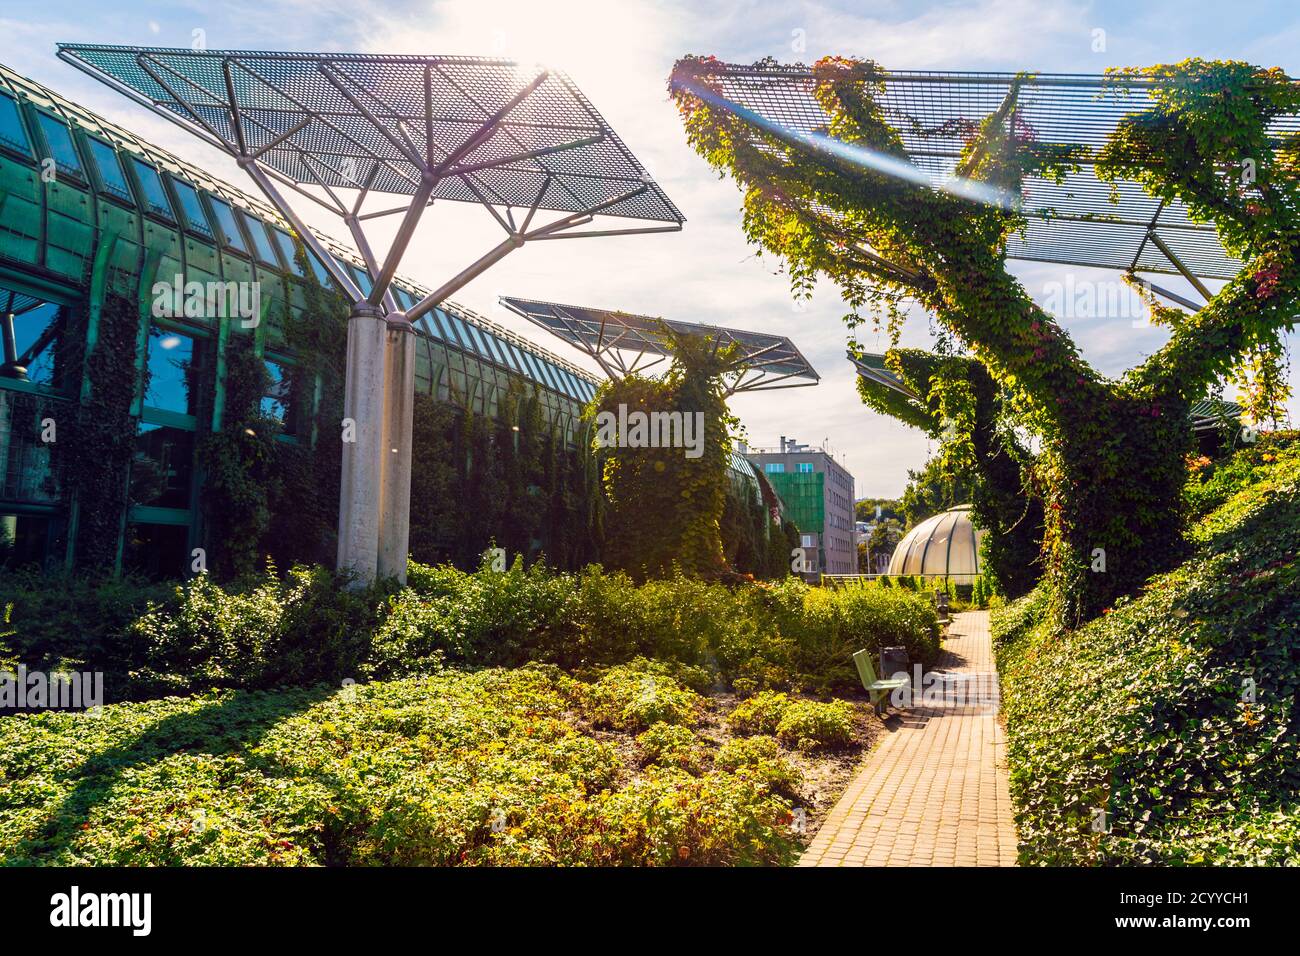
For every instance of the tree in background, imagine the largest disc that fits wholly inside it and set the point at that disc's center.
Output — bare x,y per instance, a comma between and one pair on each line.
864,509
982,461
883,540
1111,463
932,490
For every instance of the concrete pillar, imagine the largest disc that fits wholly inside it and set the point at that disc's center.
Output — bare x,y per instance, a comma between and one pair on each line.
399,405
363,443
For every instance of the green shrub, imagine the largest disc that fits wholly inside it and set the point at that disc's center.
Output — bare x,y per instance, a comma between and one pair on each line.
759,714
1174,711
832,624
1014,620
491,618
74,623
268,631
300,630
808,724
1211,484
633,698
760,758
670,745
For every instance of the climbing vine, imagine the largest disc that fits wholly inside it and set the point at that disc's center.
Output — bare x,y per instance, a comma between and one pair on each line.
955,400
1111,456
95,454
666,506
239,464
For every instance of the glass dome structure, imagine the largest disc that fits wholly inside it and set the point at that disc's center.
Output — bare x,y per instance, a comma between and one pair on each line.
945,545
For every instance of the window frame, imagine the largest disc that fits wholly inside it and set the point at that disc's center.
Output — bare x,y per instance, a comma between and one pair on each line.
179,187
23,127
102,185
290,262
140,166
79,175
251,225
216,203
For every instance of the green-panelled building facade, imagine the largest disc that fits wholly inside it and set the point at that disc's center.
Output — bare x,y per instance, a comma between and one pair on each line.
90,211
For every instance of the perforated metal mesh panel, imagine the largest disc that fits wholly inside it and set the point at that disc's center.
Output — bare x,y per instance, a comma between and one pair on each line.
598,330
356,120
1076,222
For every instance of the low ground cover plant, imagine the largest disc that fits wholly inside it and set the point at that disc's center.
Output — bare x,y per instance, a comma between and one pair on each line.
759,714
492,767
1163,731
810,724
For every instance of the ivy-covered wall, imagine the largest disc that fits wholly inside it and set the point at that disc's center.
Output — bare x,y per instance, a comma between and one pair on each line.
510,480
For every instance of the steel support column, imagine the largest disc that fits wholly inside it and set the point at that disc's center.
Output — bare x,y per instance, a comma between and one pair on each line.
399,411
360,496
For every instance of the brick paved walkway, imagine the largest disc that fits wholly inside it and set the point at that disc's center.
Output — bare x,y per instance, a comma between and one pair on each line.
934,792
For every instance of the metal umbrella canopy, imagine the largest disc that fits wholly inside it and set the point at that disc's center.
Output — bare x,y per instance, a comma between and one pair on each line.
516,139
1081,221
612,338
339,129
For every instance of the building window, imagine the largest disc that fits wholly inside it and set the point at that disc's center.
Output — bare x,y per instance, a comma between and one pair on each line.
318,269
277,402
155,197
805,467
261,242
30,332
23,540
59,140
774,468
163,468
196,220
288,251
12,133
173,372
231,237
362,278
110,170
806,540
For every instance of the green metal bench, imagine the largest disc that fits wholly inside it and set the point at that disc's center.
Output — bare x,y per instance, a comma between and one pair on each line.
877,689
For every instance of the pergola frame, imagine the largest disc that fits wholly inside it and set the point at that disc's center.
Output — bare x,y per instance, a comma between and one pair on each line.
620,343
516,140
871,366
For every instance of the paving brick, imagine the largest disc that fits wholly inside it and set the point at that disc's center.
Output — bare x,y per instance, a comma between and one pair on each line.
934,792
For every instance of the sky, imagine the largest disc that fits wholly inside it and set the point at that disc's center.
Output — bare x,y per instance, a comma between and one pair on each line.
620,53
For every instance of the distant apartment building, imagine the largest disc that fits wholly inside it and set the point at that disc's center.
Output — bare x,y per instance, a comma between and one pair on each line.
818,495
